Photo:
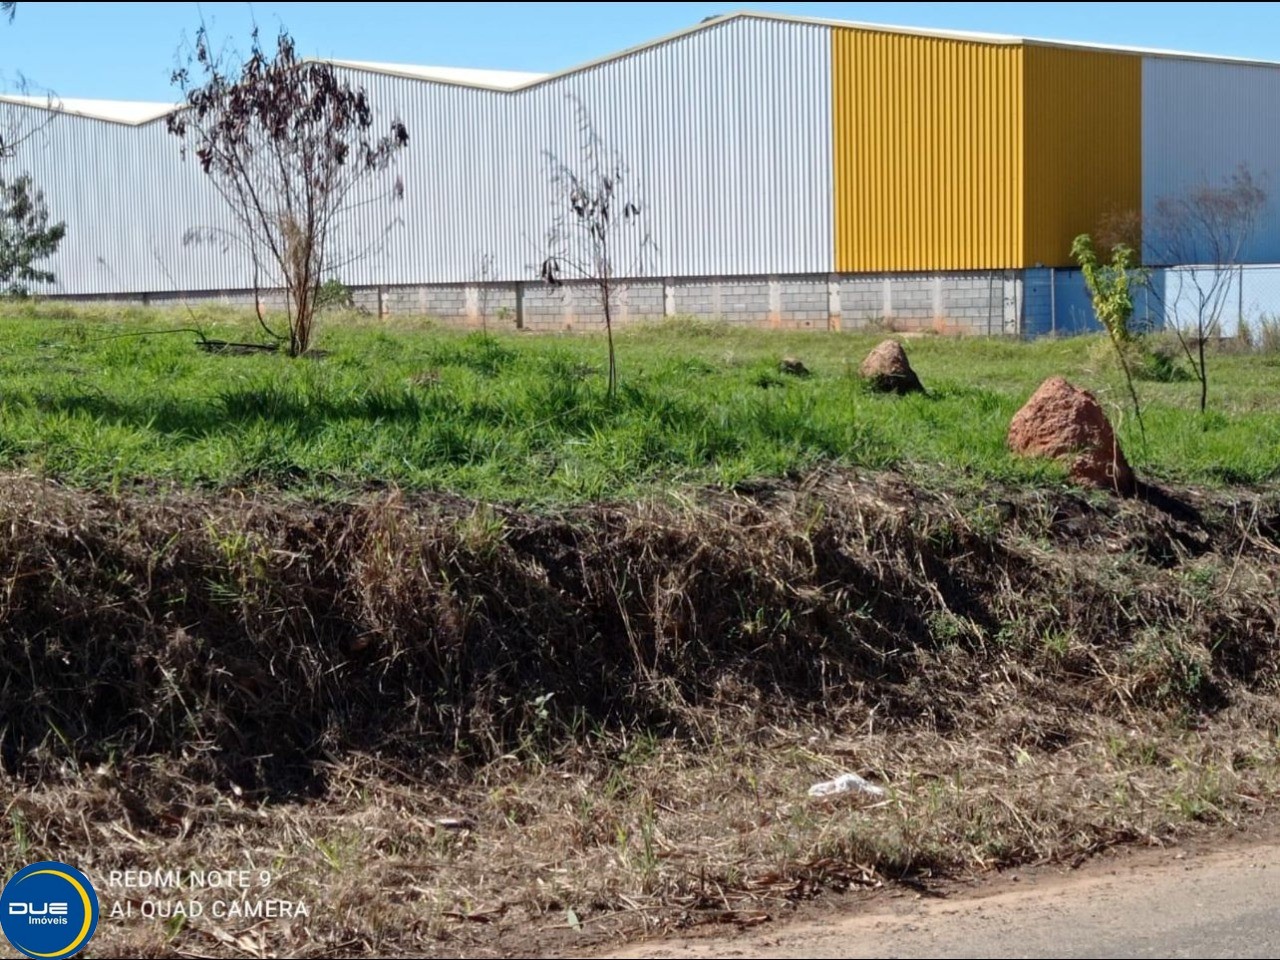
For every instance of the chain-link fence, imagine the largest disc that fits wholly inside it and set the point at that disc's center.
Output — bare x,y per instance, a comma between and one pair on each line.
1230,301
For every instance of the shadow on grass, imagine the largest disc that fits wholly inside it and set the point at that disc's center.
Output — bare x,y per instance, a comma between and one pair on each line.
545,412
303,413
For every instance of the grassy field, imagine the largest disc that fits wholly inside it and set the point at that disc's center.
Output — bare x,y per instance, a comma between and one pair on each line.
524,417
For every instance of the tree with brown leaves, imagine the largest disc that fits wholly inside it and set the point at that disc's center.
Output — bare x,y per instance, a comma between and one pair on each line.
292,148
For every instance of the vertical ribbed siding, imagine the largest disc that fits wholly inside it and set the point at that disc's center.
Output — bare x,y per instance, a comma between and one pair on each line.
128,201
727,134
1083,145
726,131
726,137
458,204
928,142
1200,122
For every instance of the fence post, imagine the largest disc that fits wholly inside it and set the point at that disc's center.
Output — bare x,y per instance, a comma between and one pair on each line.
991,294
775,301
471,304
1240,302
833,302
1053,301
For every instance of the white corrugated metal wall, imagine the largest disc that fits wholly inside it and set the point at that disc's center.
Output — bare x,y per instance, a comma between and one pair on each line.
1200,121
127,200
726,130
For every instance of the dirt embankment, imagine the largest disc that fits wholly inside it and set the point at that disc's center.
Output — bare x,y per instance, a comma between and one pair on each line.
1033,674
256,628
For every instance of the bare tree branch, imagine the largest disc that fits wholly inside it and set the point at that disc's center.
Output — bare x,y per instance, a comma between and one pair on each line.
594,214
1199,237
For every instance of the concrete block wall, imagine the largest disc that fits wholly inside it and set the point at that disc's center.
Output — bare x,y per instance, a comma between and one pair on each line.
644,300
806,303
447,303
367,299
576,306
862,302
1029,303
997,303
237,299
737,300
496,306
743,300
272,300
953,302
971,303
696,298
544,307
912,304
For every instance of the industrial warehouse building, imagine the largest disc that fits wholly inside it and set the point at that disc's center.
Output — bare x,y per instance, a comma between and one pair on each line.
791,172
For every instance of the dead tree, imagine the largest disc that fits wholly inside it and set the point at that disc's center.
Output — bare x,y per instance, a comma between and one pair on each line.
291,147
484,275
1199,237
597,220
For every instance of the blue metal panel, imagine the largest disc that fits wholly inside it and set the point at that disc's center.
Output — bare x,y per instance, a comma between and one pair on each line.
1057,303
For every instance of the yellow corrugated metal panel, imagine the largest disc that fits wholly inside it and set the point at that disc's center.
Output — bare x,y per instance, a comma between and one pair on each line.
1083,145
928,141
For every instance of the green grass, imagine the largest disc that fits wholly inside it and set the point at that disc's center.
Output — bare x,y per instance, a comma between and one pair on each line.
520,416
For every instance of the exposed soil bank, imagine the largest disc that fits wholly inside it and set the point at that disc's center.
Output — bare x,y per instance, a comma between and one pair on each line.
220,630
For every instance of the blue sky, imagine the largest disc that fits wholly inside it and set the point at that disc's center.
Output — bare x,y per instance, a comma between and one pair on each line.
126,50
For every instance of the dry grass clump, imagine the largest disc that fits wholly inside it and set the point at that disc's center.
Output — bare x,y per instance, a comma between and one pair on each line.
438,721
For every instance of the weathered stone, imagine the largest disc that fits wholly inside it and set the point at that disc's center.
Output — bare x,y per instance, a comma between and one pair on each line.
887,369
1067,423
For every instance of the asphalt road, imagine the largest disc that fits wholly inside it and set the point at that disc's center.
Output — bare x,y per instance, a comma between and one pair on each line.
1152,904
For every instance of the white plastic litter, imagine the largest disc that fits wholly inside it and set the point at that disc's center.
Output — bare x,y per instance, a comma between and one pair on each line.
846,783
